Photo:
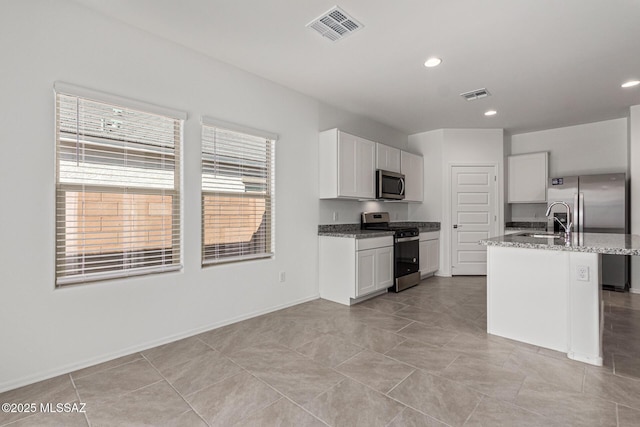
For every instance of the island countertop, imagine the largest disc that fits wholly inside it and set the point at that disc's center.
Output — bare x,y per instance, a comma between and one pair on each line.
601,243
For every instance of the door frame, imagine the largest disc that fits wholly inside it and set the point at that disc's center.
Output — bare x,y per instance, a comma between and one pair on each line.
445,226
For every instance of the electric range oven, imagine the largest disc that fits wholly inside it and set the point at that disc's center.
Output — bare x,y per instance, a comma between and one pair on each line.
406,248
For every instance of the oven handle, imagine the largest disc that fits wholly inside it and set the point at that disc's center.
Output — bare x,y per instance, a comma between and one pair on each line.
407,239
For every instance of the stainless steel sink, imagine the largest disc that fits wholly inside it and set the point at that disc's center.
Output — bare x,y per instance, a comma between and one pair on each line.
542,235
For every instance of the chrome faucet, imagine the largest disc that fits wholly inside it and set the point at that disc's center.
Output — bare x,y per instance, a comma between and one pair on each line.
567,228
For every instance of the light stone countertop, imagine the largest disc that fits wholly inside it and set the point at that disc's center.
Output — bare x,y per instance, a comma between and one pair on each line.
601,243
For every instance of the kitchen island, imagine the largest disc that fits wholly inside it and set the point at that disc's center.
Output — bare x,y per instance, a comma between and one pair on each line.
547,292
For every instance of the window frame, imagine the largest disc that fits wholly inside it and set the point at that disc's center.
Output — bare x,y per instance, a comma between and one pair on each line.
62,189
269,196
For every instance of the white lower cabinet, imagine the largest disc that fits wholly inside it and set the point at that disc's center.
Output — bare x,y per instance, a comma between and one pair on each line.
375,270
429,252
366,272
354,268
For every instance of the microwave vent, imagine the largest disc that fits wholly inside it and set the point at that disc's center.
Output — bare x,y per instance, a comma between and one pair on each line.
335,24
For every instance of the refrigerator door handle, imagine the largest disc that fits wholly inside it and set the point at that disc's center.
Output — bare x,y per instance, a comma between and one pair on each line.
576,213
581,212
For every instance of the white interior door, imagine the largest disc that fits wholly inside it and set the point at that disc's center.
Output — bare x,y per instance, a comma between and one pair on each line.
473,215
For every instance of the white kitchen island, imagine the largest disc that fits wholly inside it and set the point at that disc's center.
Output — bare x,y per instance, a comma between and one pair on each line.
545,292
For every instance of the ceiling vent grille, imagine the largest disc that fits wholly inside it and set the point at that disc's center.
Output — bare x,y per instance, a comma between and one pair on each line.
335,24
475,94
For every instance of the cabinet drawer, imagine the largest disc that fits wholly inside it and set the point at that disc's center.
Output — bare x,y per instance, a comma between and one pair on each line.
430,235
374,242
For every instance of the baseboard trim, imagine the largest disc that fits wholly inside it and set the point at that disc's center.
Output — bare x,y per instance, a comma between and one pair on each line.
439,274
634,290
66,369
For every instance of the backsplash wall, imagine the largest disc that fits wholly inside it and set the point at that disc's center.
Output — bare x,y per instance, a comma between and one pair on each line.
348,211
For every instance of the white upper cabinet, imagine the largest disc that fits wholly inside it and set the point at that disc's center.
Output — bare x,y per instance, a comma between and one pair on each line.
412,166
528,176
387,158
347,166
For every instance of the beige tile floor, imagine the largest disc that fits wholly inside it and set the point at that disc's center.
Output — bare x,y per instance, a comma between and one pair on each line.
418,358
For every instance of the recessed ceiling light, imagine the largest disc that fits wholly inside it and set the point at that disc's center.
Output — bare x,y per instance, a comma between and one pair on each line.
432,62
491,113
631,83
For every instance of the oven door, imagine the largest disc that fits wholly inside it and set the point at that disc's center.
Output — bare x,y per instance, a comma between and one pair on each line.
407,255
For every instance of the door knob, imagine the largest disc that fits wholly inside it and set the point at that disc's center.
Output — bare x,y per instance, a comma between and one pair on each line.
455,225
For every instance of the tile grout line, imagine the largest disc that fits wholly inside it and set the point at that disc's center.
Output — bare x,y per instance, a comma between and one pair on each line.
335,368
400,382
397,416
73,383
401,329
263,407
418,410
295,350
174,389
474,409
109,368
451,363
284,396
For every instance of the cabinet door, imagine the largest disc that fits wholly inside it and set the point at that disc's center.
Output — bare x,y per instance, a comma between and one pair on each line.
424,255
366,272
429,256
412,167
387,158
528,176
365,169
433,255
347,161
384,267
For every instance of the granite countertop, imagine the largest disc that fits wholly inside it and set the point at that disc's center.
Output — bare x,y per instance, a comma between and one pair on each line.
354,230
601,243
526,225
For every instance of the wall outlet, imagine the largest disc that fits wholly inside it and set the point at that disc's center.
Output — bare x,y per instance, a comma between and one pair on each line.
335,216
283,277
582,273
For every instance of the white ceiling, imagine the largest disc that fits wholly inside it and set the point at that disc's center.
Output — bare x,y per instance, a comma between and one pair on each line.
547,63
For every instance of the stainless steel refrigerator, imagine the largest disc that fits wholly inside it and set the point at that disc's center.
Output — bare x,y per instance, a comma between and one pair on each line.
599,204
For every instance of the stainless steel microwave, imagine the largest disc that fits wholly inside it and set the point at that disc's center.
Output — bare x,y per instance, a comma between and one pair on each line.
389,185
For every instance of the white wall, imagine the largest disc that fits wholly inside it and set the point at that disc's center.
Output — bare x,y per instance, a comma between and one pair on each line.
348,211
634,172
441,149
591,148
47,331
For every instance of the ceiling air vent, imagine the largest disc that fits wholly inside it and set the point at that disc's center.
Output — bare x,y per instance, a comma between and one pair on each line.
475,94
335,24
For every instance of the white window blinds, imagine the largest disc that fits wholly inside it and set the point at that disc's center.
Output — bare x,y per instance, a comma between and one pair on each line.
237,194
117,191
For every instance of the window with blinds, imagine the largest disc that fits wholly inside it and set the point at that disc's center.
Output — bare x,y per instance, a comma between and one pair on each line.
237,193
117,191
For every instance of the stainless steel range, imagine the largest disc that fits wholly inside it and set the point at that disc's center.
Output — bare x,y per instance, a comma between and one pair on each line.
406,248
